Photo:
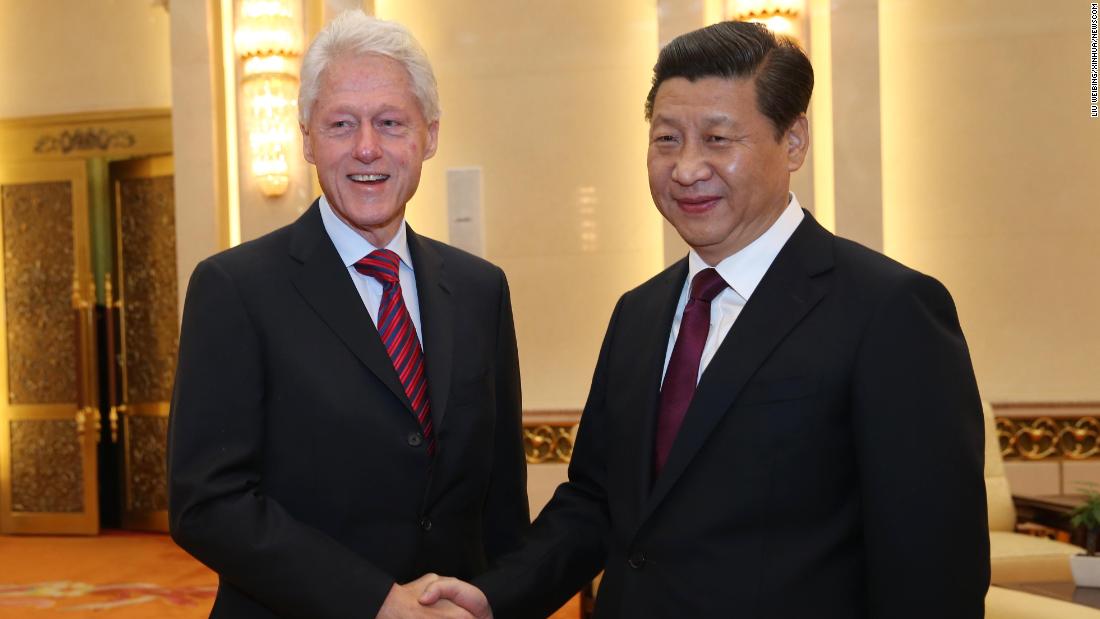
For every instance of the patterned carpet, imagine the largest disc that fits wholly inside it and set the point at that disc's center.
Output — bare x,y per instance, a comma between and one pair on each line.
117,575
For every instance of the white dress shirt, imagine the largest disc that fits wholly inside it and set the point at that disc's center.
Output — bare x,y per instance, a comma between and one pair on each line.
352,247
743,272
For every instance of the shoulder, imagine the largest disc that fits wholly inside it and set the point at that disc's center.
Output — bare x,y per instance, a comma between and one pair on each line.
860,267
660,285
460,264
883,290
257,260
256,252
649,302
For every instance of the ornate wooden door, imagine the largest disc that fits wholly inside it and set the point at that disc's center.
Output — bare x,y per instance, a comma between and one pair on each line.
49,415
143,321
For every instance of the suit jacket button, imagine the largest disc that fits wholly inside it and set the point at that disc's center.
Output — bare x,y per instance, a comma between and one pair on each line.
415,439
426,523
637,560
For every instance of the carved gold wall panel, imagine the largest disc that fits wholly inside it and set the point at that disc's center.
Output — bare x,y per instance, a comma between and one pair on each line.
38,281
546,443
1073,438
147,482
46,467
1041,438
148,227
114,134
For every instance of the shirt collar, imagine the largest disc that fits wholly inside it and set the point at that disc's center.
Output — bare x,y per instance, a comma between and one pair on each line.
352,246
744,269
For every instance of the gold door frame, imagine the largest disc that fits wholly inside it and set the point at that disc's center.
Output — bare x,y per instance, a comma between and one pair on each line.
139,419
57,148
75,516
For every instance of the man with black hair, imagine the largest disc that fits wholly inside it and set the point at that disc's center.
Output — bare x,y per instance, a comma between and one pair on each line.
752,444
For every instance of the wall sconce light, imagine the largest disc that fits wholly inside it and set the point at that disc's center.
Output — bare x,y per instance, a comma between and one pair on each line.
780,16
268,40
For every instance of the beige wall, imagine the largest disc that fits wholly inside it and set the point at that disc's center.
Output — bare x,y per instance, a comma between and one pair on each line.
857,176
198,153
547,98
61,57
987,155
989,182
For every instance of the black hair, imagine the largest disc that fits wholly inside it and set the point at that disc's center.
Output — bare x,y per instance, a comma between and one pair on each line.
733,49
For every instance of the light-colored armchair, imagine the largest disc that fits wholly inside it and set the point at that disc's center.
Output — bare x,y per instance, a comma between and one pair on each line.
1007,604
1016,557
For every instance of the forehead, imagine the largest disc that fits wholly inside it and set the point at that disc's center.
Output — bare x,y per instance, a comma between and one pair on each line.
707,97
366,77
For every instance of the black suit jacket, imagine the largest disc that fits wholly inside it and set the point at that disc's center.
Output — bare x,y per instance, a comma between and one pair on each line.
829,466
297,471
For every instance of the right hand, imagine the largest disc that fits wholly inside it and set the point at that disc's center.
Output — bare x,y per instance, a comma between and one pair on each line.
459,592
402,602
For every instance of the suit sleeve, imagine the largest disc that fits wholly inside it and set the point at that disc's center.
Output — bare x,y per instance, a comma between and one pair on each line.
217,508
507,513
566,545
919,434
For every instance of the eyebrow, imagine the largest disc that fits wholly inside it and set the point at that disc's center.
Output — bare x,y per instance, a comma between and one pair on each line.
355,109
710,120
719,119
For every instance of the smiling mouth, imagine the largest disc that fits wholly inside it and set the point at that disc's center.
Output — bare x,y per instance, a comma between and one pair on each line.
368,178
697,205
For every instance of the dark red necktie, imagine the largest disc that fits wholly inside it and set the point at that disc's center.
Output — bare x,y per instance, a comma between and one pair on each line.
399,336
683,366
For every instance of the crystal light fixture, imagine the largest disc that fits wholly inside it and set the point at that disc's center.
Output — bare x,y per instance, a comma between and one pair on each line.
268,41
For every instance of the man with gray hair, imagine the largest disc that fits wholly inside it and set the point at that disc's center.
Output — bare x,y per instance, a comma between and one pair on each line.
325,444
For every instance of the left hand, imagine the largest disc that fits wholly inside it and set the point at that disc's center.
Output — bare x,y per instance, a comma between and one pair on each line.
402,602
462,593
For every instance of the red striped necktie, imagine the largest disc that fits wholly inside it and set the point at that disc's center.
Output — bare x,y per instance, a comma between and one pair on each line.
398,334
682,373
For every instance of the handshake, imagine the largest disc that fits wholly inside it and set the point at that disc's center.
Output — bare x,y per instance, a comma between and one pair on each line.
435,596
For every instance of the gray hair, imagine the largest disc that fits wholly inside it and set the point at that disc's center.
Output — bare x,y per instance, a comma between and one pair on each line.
356,33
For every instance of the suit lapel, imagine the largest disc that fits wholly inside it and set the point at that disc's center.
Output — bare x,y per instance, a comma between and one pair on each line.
789,290
324,283
436,321
660,304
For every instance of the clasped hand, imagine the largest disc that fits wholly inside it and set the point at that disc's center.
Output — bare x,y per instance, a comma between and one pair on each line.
435,596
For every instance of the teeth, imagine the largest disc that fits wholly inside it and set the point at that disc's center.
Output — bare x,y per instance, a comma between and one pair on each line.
368,177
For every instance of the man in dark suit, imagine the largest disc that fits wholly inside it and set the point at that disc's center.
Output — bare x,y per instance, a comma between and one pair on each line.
346,413
784,424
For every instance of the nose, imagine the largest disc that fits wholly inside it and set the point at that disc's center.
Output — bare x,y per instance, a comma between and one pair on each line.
367,148
691,165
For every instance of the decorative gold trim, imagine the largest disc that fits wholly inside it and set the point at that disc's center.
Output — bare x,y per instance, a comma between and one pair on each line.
115,134
543,444
1049,438
98,138
548,435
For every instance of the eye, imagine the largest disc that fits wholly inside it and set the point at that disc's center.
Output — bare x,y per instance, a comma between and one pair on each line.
664,139
389,123
341,124
717,139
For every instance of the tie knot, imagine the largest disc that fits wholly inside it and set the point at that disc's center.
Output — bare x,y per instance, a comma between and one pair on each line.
706,285
381,264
